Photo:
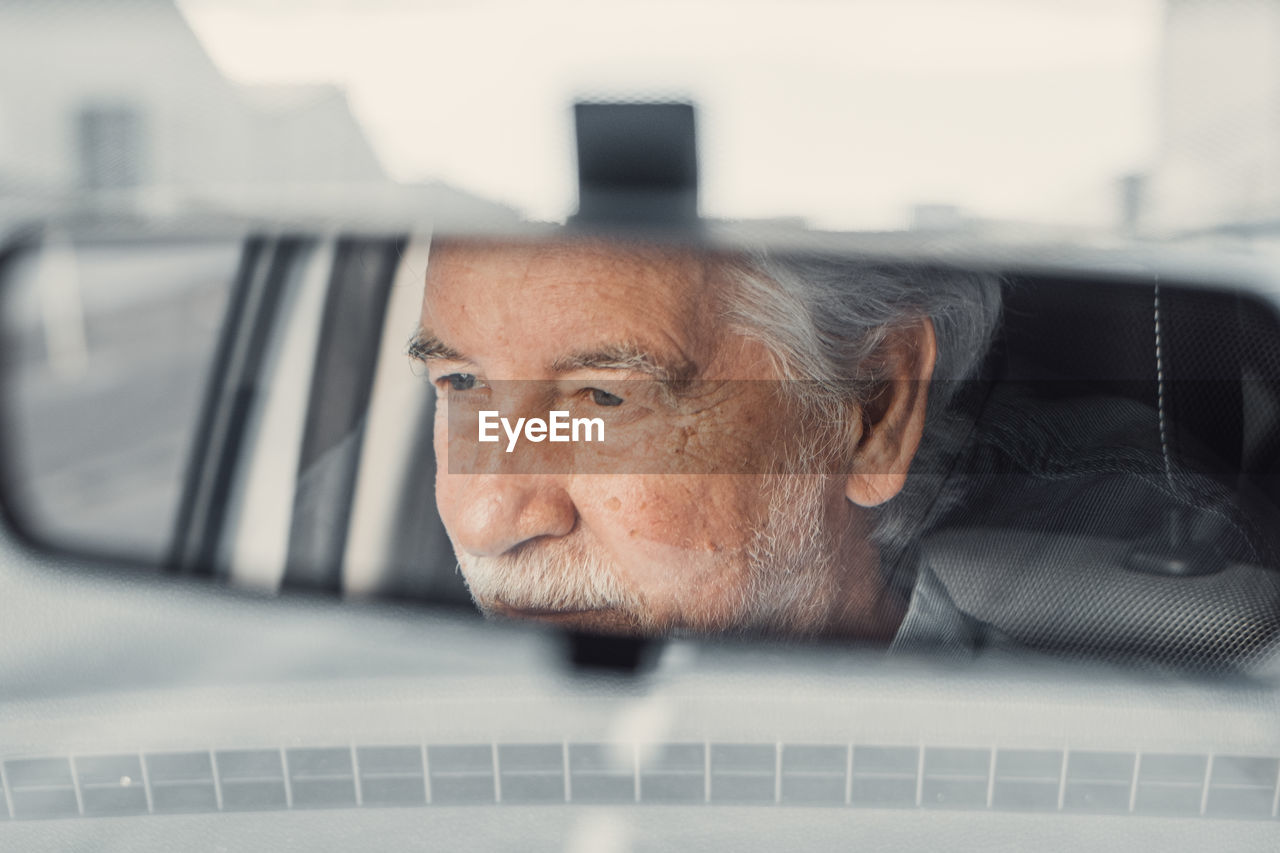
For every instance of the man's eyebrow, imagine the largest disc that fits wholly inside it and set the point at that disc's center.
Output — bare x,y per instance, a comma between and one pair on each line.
424,346
675,375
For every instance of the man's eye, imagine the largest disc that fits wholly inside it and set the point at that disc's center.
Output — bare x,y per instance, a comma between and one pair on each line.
604,398
459,381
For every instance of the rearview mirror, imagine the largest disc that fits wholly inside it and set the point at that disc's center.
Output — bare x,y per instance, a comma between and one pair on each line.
810,437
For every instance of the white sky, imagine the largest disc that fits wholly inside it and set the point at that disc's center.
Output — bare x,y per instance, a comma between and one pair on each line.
845,113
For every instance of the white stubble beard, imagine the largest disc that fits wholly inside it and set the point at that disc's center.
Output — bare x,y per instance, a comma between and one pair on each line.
790,562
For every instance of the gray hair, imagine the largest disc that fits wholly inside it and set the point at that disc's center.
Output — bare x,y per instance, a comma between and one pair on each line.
823,317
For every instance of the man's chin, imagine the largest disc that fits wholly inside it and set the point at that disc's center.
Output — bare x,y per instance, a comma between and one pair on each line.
604,621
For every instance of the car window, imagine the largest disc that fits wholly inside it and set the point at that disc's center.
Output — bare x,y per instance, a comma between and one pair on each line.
109,350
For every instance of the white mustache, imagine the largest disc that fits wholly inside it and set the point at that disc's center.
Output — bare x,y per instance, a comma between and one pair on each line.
550,577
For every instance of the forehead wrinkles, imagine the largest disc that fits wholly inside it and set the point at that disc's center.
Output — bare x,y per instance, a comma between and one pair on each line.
667,288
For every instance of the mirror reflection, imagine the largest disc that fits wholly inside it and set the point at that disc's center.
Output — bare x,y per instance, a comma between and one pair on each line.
667,439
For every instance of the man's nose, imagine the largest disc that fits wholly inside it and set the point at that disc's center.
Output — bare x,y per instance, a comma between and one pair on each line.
499,512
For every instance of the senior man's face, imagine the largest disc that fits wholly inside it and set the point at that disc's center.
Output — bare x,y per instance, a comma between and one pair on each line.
706,507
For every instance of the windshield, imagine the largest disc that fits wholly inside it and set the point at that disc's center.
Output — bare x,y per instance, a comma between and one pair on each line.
885,396
863,116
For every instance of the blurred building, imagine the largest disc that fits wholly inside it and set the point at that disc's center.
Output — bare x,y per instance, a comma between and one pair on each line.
1218,167
116,108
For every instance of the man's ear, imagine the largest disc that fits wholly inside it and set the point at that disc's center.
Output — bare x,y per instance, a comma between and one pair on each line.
893,418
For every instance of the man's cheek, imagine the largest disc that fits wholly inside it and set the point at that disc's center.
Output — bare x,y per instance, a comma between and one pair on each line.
666,535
